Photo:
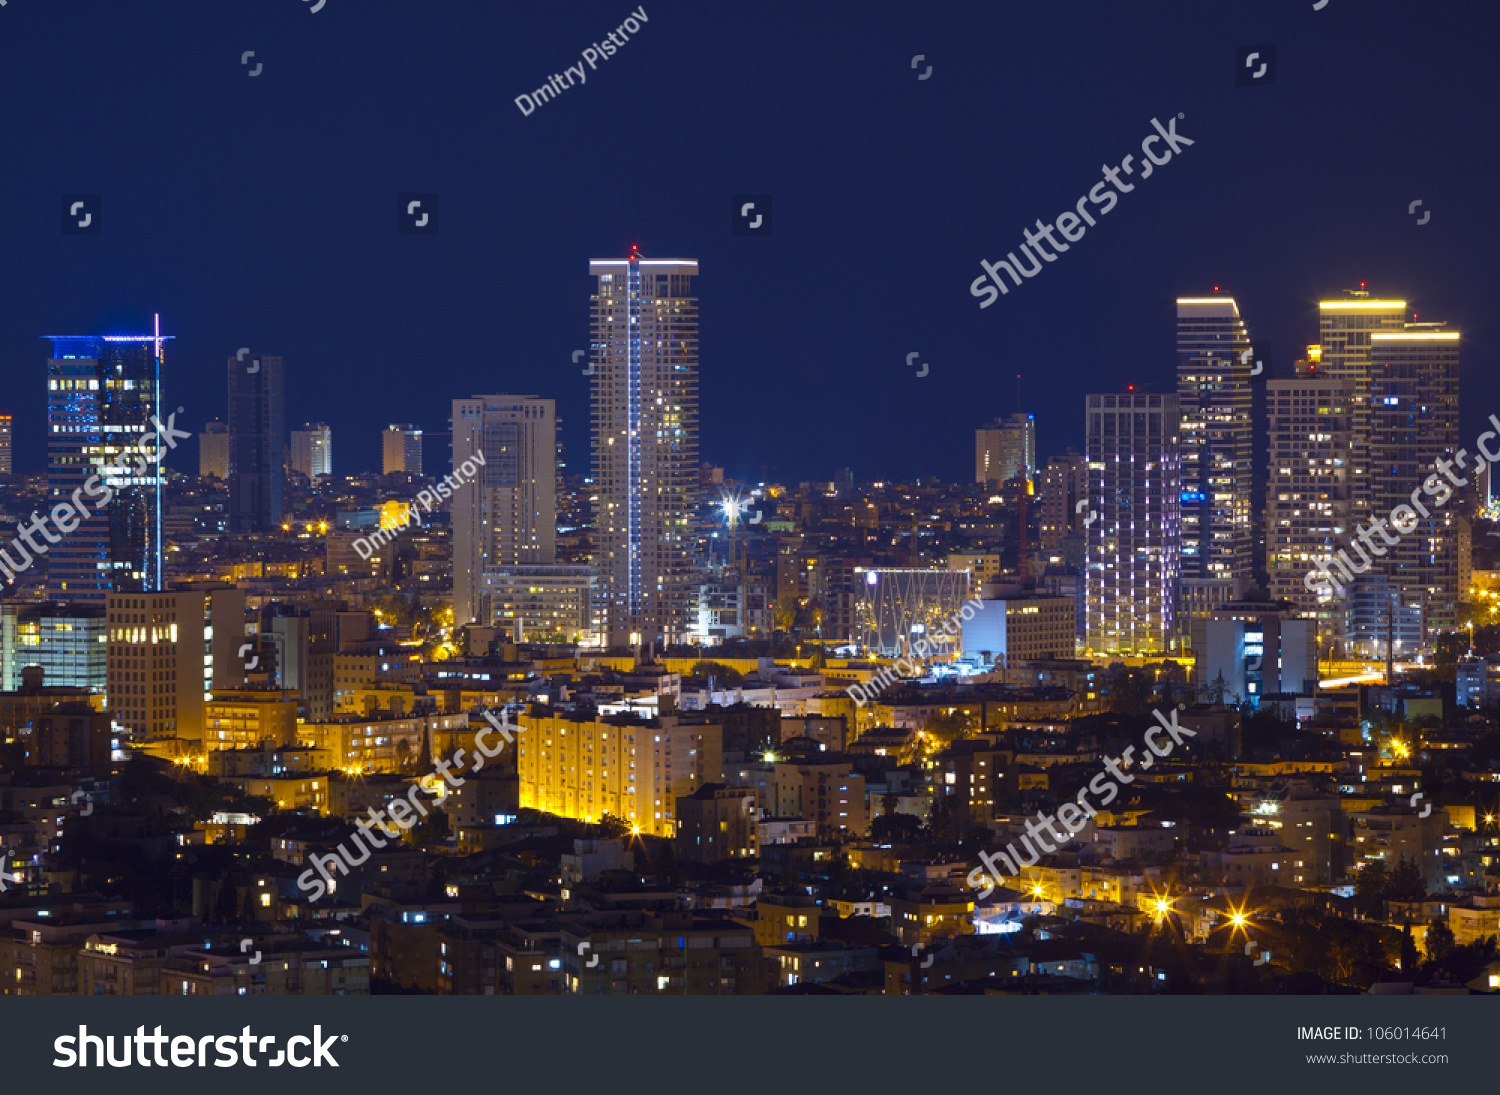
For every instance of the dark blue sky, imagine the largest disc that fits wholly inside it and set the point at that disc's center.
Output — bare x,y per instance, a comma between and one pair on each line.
261,211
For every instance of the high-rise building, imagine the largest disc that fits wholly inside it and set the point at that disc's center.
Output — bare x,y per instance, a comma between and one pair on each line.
1413,424
213,451
401,450
1065,483
506,516
1311,438
257,440
312,450
6,465
644,352
1213,393
1006,450
102,395
167,652
1344,330
1135,523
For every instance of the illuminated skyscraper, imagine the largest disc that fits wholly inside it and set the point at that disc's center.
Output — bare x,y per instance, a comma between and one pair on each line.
312,450
1414,423
1311,438
644,352
1344,330
1213,391
1006,450
1134,525
506,516
102,394
401,450
257,442
5,444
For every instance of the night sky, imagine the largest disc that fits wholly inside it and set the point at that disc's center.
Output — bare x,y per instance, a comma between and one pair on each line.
261,211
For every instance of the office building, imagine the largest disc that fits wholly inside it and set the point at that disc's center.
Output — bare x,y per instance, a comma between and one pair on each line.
312,450
257,440
1064,484
644,352
1213,393
1134,544
1006,450
401,450
1413,424
541,604
213,451
506,516
102,393
66,640
1310,419
1254,646
1344,330
167,652
6,465
1023,627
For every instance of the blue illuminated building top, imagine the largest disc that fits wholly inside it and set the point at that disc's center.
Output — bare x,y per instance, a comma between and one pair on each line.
64,346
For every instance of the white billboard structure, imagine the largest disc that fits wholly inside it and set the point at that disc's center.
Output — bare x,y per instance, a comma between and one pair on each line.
896,607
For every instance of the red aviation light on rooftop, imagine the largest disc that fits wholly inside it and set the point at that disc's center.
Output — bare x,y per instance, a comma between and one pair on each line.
1216,288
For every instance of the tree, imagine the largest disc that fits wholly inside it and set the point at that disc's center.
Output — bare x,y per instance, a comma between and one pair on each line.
722,674
1409,960
1406,881
1440,942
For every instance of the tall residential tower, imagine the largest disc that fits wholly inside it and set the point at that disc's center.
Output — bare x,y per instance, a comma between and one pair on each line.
1213,391
1135,523
644,352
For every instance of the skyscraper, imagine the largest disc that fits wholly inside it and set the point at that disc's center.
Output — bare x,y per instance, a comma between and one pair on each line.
257,440
1344,329
1310,420
6,466
506,517
644,352
1006,450
312,450
1135,521
401,449
1065,483
213,451
102,393
1213,392
1413,423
